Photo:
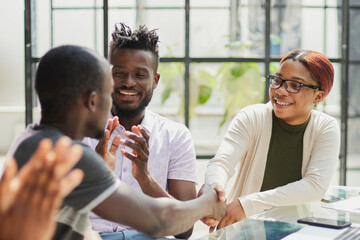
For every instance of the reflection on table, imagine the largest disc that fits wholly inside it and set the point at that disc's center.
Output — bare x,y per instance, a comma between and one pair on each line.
278,222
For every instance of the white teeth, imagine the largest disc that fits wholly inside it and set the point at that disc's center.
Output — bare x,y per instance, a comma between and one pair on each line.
127,93
283,103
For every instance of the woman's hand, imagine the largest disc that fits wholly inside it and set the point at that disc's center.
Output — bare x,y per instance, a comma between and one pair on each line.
234,213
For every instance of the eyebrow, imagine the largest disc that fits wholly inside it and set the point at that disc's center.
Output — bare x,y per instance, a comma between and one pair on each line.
293,78
138,68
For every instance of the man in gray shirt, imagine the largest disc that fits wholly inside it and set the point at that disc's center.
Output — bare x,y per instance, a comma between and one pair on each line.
74,87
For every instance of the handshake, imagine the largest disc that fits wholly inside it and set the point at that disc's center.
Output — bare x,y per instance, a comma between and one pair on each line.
225,214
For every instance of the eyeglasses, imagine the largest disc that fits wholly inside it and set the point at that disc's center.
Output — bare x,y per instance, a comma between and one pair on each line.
291,86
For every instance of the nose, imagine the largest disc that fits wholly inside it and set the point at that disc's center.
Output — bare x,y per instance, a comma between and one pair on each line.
129,81
282,90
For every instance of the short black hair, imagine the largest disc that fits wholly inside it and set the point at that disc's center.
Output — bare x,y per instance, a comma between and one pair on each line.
63,75
142,39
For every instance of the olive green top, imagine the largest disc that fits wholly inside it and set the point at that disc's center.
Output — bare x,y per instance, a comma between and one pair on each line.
284,159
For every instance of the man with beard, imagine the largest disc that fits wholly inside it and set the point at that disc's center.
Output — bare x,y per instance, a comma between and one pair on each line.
166,159
74,87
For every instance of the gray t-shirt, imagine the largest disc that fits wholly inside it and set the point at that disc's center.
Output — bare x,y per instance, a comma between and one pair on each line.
98,183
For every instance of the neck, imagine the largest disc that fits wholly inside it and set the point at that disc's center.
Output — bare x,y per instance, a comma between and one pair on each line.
127,123
68,127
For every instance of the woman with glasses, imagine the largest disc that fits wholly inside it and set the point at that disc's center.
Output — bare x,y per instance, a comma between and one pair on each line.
284,152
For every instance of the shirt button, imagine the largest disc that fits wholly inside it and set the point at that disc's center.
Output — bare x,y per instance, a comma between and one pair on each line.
125,169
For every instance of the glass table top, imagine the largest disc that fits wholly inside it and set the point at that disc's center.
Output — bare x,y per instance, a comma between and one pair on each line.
278,222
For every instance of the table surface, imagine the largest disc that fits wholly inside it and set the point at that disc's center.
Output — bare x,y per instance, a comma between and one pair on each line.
279,222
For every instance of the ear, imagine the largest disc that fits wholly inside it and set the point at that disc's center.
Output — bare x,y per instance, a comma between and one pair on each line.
156,79
92,101
319,97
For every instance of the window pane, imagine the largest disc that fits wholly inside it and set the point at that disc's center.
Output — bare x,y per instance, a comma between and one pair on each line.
331,104
165,3
209,3
354,31
313,2
171,38
209,36
354,89
353,151
354,3
121,15
217,92
171,25
285,28
168,98
247,30
41,30
122,3
76,3
12,93
78,27
332,47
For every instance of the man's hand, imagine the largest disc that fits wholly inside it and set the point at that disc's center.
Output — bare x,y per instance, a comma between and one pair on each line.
140,153
234,213
31,197
218,204
103,149
210,221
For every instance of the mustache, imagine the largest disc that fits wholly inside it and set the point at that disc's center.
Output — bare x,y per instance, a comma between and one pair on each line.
125,88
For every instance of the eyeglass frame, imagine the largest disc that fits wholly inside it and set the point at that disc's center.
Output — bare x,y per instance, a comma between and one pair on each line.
286,86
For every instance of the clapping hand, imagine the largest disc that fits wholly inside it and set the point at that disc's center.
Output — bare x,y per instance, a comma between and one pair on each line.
103,149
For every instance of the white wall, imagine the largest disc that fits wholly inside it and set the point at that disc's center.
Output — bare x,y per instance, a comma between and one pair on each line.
12,94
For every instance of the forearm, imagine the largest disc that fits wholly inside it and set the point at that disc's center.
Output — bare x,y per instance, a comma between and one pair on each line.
151,187
155,216
180,217
298,192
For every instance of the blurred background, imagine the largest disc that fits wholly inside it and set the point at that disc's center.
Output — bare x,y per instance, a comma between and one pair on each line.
215,55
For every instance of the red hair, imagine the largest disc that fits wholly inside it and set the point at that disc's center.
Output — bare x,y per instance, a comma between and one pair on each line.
318,65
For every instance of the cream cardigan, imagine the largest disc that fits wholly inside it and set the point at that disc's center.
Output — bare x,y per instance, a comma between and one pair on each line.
245,146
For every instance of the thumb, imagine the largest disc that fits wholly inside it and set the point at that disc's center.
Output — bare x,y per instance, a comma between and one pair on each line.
221,193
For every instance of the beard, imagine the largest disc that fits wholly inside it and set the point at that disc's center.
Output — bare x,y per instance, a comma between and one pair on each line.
126,113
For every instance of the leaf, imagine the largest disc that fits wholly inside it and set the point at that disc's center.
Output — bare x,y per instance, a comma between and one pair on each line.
209,79
204,94
166,94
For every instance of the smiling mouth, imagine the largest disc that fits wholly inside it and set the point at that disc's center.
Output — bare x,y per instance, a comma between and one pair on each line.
127,93
282,103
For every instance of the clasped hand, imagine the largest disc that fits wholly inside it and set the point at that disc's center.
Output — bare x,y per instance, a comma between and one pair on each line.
234,213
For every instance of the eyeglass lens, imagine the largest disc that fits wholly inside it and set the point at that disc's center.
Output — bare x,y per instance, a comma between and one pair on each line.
290,86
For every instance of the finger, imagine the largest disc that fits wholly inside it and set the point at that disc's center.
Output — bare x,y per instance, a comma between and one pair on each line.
115,144
221,193
114,124
143,133
70,182
10,170
137,139
61,146
131,157
109,125
9,188
135,130
115,121
211,222
224,222
135,147
211,229
36,160
68,160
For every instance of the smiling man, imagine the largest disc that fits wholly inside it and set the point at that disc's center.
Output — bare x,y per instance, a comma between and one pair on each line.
166,159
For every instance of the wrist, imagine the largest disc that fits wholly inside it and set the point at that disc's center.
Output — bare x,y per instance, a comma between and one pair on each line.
143,178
